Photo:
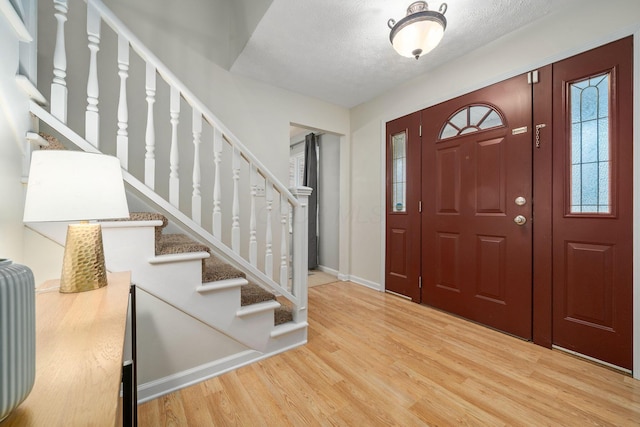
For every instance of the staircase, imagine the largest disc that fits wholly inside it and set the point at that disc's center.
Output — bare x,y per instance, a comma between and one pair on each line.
235,259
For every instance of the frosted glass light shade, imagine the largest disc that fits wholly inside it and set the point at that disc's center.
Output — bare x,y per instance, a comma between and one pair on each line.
419,32
418,38
74,185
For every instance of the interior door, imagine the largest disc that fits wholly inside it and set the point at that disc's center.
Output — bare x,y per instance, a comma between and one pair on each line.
402,269
592,203
476,223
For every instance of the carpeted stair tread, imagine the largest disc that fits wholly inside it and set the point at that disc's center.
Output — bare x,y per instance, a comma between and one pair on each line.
149,216
215,269
54,144
253,294
282,315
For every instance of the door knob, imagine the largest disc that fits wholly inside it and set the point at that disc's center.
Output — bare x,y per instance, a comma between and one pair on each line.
520,220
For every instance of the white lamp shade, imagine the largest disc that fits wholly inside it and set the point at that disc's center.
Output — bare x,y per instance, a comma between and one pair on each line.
74,185
420,36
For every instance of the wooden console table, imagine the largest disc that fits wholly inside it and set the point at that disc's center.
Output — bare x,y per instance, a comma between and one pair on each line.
79,357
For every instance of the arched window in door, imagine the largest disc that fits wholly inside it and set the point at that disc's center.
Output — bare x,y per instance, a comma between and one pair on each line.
470,119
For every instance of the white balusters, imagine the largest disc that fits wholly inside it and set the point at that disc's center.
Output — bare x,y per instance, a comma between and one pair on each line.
253,242
59,84
268,254
92,116
217,157
235,208
122,147
284,233
174,157
196,198
150,133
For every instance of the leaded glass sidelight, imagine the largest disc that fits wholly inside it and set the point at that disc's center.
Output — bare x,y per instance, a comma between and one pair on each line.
471,119
399,147
590,145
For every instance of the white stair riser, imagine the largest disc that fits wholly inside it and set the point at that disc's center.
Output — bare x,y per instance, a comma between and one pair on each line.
290,340
128,247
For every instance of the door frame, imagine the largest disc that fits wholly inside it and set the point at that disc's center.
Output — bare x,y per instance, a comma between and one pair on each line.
635,32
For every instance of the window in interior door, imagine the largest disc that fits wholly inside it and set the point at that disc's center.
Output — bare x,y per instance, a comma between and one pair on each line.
470,119
590,145
399,147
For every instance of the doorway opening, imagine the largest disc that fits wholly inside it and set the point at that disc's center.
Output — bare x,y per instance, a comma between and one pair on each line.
324,255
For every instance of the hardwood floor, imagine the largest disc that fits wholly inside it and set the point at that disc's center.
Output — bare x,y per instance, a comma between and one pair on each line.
317,277
374,359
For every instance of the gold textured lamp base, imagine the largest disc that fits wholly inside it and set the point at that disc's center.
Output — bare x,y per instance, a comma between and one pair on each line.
83,266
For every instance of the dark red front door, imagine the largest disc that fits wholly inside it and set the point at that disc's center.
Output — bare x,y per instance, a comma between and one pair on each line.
476,228
592,203
569,137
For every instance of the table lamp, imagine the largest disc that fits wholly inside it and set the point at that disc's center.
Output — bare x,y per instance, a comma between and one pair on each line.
77,186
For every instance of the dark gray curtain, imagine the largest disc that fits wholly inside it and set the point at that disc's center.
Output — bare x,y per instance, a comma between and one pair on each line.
311,180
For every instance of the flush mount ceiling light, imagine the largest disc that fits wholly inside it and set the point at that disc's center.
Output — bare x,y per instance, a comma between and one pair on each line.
418,32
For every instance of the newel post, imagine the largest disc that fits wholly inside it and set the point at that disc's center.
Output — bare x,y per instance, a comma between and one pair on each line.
301,251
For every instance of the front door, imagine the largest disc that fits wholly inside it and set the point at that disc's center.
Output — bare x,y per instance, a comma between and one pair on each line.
402,269
592,203
476,223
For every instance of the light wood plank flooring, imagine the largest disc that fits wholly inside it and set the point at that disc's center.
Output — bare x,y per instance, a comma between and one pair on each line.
374,359
317,277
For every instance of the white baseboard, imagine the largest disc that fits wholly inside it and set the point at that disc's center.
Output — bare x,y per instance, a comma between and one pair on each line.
160,387
364,282
328,270
154,389
343,277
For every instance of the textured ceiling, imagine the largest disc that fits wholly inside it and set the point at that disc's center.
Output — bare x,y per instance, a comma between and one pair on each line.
339,50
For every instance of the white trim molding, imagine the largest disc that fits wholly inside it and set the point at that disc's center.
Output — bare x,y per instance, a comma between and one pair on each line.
364,282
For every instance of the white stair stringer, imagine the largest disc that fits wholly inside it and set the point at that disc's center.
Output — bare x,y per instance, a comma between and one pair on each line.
177,280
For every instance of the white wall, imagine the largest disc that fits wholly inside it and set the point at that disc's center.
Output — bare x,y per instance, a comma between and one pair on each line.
329,201
173,342
14,123
217,29
545,41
